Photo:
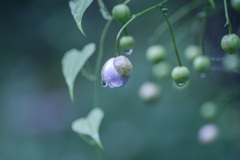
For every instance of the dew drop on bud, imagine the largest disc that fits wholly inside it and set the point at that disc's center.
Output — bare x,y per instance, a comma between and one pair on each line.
104,84
129,52
180,84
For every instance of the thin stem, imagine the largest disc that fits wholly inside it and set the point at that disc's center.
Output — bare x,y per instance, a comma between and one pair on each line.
176,17
98,153
99,59
227,18
133,18
174,42
203,28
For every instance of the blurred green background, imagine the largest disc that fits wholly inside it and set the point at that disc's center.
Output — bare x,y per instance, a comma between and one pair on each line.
36,112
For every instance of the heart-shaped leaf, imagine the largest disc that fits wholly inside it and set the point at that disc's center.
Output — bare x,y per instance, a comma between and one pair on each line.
88,128
72,63
78,7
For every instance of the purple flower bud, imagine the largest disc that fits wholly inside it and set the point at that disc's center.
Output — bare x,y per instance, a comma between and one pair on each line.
116,71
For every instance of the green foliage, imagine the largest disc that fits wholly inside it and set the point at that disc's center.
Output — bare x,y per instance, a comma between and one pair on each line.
105,13
72,63
212,3
88,127
78,7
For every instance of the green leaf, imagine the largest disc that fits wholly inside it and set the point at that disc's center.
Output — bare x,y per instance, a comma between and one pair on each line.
78,7
88,128
103,9
212,3
72,63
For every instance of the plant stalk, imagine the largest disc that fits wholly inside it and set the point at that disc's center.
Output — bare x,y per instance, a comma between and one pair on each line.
132,19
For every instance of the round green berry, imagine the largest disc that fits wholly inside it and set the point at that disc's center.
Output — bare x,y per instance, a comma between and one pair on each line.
201,64
230,43
161,70
208,110
180,75
121,12
191,52
231,63
235,5
156,53
127,42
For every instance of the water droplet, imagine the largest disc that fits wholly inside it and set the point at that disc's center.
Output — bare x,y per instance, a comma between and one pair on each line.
165,11
180,84
104,84
203,75
129,52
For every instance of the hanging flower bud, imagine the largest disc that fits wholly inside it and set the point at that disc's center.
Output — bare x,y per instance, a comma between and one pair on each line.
116,71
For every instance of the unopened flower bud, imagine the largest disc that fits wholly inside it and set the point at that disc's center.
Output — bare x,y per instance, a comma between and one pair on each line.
116,71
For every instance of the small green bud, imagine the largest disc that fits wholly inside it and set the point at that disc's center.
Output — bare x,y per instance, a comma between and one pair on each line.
235,5
230,43
161,70
202,64
121,12
208,110
180,75
127,42
156,53
191,52
231,63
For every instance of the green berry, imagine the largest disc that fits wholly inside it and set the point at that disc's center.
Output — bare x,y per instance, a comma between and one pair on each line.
156,53
149,92
231,63
191,52
202,64
180,75
235,5
230,43
208,110
127,42
161,70
121,12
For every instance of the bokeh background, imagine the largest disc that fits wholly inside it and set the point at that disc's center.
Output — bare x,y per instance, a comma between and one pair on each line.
36,112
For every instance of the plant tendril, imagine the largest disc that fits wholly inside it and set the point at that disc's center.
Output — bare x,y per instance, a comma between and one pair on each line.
99,59
170,28
133,18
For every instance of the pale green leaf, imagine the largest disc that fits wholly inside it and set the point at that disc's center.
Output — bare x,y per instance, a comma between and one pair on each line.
88,128
78,7
103,9
212,3
72,63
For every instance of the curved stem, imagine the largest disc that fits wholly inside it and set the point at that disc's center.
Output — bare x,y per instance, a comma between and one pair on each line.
174,42
133,18
99,59
175,17
227,18
203,28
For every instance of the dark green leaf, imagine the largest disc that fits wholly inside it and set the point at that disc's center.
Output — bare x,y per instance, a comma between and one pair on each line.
78,7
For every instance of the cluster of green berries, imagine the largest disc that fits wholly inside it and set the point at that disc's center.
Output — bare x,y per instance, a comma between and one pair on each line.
200,62
122,13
